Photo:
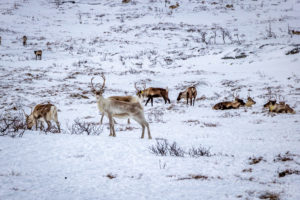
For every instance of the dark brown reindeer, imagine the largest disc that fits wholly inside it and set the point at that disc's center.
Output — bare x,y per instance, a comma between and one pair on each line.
24,40
172,7
38,53
151,93
229,104
119,109
40,113
189,94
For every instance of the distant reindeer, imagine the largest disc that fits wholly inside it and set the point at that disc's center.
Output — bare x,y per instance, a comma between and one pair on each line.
126,1
250,102
189,94
38,53
172,7
295,32
40,113
24,40
282,107
229,104
119,109
151,93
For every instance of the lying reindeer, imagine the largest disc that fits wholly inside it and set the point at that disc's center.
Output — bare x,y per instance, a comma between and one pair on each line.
24,40
282,107
42,112
189,94
229,104
250,102
120,109
151,93
172,7
38,53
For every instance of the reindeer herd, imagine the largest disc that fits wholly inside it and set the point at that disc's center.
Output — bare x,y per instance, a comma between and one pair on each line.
130,107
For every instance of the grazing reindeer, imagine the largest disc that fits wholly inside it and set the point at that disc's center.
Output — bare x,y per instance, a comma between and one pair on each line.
38,53
189,93
229,104
172,7
24,40
151,93
250,102
42,112
120,109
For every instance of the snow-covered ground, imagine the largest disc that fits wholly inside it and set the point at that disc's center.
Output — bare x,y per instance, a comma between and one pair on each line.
145,42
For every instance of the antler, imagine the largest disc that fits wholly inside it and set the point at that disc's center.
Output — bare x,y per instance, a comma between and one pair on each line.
136,87
144,84
24,112
93,88
103,85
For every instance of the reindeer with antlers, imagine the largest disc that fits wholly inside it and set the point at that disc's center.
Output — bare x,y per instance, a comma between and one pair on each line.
151,93
235,104
119,109
280,107
132,99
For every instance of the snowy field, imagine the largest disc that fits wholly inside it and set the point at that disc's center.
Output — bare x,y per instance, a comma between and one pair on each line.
248,153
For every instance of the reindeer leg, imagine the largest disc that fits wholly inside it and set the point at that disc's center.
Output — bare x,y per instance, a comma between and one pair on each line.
36,124
147,101
58,126
151,101
49,125
101,120
187,98
128,121
148,129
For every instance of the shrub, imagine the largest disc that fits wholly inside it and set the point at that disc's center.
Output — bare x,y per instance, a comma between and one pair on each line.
164,148
81,127
12,125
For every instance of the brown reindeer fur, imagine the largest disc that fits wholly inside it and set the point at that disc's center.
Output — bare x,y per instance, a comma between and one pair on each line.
282,107
295,32
38,53
24,40
250,102
189,94
42,112
151,93
174,6
229,104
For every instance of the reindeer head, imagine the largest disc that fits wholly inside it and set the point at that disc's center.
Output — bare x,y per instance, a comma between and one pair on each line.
179,96
30,121
98,93
140,93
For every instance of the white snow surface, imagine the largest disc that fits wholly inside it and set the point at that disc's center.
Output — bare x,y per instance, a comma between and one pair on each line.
144,41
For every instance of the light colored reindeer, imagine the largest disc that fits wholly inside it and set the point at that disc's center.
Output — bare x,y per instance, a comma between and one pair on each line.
40,113
119,109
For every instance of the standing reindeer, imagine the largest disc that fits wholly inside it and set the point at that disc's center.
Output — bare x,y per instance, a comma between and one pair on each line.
38,53
131,99
119,109
189,94
24,40
42,112
151,93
